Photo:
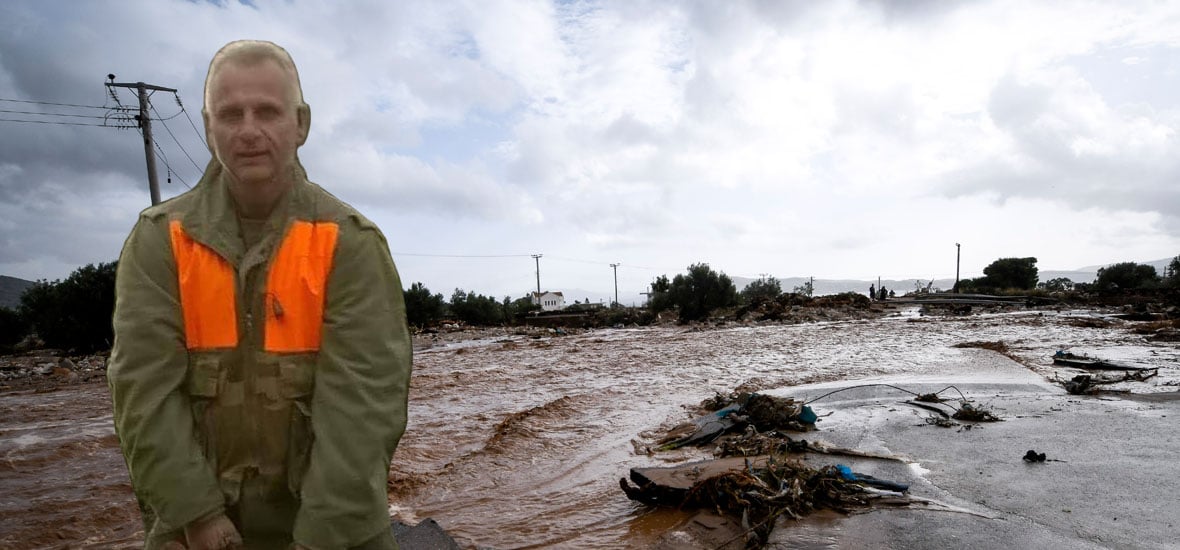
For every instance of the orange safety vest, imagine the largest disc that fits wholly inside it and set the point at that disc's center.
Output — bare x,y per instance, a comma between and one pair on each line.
294,298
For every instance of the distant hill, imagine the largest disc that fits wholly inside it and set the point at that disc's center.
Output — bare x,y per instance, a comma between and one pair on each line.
10,290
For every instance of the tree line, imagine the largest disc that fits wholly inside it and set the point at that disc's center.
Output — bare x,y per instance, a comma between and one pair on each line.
74,314
1007,274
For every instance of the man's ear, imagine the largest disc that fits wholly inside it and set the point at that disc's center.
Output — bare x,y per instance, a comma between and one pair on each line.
303,114
208,134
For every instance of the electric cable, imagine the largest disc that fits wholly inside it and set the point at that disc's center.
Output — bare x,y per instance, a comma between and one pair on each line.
55,104
915,394
190,120
61,123
169,130
51,114
462,255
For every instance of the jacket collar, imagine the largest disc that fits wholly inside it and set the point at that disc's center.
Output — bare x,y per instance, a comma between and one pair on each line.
213,218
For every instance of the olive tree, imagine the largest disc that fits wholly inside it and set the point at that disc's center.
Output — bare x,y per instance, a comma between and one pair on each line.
1126,275
701,291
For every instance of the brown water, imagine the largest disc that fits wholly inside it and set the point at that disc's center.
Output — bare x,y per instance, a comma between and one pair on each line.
519,443
516,442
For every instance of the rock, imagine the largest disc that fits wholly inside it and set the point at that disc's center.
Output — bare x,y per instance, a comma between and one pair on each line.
427,534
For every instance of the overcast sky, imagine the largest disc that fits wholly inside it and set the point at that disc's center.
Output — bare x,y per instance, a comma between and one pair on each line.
833,139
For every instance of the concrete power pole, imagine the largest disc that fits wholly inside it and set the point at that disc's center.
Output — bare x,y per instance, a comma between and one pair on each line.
537,257
958,249
145,125
616,268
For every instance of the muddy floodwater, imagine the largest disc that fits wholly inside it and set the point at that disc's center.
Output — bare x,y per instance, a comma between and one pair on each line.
519,441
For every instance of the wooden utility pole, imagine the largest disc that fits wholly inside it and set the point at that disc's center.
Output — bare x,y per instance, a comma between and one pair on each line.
537,257
145,125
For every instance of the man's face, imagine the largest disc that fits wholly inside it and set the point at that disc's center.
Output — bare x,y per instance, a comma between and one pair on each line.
254,127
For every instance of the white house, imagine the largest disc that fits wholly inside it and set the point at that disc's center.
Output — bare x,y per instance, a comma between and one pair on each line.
549,300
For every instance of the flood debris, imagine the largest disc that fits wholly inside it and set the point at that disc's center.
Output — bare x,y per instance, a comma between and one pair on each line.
871,481
1081,384
942,422
1068,359
754,443
735,412
1088,384
49,370
759,490
974,413
1033,456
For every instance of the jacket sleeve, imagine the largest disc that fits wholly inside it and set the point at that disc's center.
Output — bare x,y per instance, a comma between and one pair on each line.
358,410
147,370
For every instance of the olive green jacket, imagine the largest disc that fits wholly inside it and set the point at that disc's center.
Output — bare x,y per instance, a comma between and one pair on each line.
316,429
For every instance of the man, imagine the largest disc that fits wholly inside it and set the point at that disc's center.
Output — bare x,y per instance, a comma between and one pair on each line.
261,361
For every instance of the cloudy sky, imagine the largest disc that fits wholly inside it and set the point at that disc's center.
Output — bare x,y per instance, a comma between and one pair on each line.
832,139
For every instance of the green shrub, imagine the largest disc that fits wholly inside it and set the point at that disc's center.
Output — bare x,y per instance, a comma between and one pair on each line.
701,291
765,288
422,307
74,314
1018,273
13,329
475,309
1126,275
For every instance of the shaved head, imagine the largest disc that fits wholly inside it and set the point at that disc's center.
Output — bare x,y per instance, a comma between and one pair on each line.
255,121
253,52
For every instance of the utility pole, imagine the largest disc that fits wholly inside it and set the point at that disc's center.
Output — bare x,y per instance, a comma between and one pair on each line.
537,257
958,249
616,268
145,124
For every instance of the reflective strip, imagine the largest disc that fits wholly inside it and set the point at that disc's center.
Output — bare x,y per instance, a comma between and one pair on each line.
206,293
296,285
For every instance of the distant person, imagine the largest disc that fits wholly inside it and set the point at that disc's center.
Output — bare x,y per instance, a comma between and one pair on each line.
261,360
872,292
881,295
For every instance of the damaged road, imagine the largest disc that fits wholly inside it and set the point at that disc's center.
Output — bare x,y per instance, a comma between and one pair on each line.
976,485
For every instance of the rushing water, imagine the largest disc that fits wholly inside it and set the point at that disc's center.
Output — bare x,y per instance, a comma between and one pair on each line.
519,442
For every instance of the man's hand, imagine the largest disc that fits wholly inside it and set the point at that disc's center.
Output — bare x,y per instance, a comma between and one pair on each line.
216,533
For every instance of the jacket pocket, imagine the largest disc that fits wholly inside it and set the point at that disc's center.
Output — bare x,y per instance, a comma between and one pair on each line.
297,376
204,382
296,384
204,375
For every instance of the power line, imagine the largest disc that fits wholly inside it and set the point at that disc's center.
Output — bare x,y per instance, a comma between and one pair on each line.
594,262
182,149
51,103
104,117
463,255
61,123
591,262
190,120
577,260
161,118
164,159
